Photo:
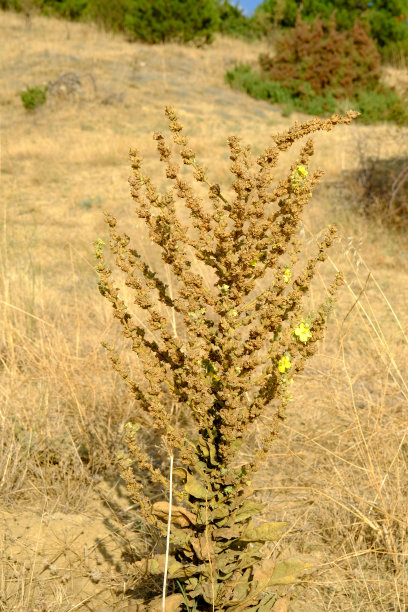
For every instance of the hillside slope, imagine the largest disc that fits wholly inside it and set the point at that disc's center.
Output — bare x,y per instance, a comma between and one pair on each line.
339,472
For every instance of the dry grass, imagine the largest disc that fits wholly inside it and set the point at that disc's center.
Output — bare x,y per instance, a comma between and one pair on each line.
339,472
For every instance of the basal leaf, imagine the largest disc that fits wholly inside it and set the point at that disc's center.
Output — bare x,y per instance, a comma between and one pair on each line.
210,591
173,603
152,566
281,605
181,537
155,566
227,533
220,512
267,603
203,547
287,572
248,509
178,570
179,516
268,532
260,580
195,488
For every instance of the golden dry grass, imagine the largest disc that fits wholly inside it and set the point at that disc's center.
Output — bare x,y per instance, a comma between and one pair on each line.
339,471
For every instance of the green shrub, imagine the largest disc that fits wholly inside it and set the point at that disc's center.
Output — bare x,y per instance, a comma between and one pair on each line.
316,68
386,20
10,5
219,329
69,9
395,53
153,21
156,21
381,104
243,77
233,22
110,15
32,97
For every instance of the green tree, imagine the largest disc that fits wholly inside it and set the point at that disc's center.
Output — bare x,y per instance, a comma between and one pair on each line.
156,21
234,22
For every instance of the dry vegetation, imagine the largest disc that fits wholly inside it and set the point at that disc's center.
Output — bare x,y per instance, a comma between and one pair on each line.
338,473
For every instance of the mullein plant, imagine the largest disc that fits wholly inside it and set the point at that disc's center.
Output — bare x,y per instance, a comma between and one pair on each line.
224,346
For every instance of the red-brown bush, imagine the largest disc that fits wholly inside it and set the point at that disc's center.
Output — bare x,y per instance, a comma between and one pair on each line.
319,57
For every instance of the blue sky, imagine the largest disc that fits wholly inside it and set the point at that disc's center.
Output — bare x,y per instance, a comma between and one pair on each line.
248,5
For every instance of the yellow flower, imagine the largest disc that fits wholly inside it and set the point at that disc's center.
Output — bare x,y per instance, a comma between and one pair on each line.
302,171
303,332
284,364
298,176
287,275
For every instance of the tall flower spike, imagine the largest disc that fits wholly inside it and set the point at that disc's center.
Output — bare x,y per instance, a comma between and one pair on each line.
215,353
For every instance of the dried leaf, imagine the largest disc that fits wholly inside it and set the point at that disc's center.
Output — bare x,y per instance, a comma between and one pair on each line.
151,566
202,547
210,591
281,605
262,575
178,570
219,514
209,451
191,583
265,605
268,532
173,603
287,572
260,580
213,453
180,473
227,562
179,516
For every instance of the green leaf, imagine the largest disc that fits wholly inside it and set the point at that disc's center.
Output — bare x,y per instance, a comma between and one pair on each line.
268,532
195,488
248,509
181,537
236,444
220,512
287,572
266,604
178,570
242,589
260,580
